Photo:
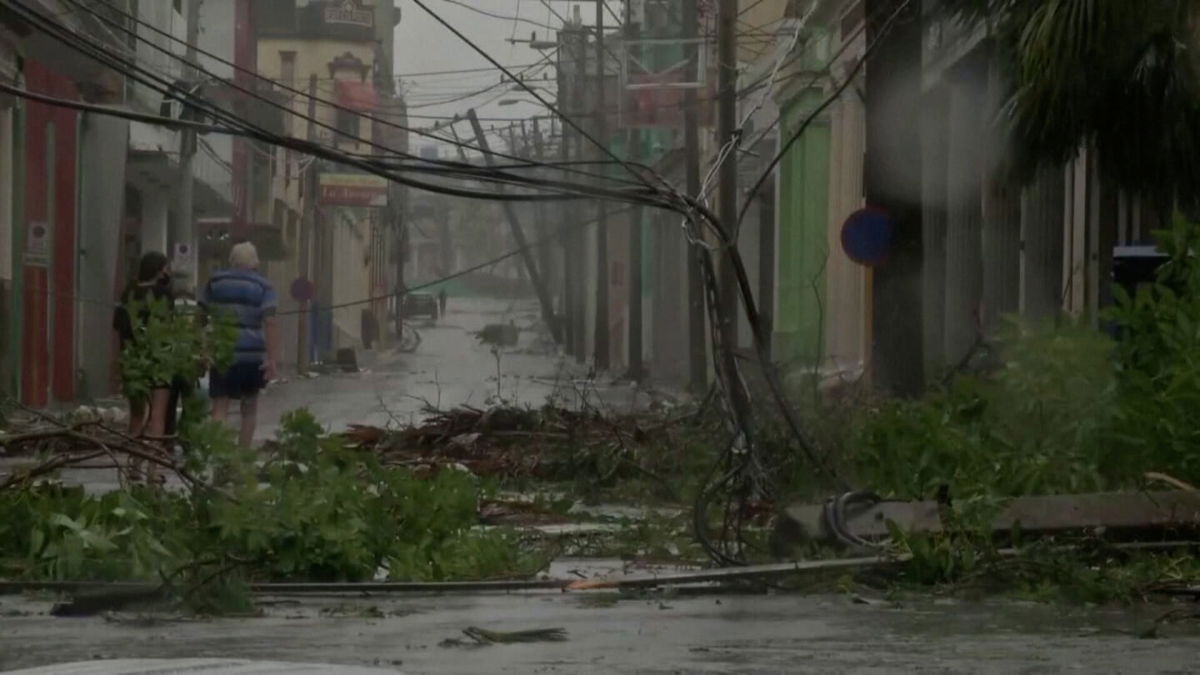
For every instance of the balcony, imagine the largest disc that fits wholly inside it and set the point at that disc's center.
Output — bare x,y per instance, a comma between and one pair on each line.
350,20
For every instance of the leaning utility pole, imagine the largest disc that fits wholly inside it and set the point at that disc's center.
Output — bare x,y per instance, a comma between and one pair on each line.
514,225
185,232
602,360
697,341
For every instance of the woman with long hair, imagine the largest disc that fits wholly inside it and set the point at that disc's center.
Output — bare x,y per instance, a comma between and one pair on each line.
147,413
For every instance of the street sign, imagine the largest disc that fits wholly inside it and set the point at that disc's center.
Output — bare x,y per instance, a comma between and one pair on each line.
185,256
353,189
303,290
867,236
37,244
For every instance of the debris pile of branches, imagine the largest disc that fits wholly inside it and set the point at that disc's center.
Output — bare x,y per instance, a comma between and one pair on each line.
548,443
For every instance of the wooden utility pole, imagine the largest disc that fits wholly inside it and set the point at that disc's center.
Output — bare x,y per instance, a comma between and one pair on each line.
601,356
309,226
697,349
636,367
514,224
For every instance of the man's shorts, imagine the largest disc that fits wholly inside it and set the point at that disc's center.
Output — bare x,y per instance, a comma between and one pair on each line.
242,380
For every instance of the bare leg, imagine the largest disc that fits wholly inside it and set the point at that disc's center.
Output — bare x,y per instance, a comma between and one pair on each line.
220,409
156,426
139,415
249,420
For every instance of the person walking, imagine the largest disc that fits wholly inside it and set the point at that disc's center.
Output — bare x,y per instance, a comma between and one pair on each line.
245,296
148,412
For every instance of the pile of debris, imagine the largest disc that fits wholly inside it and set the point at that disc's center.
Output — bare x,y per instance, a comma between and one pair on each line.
548,443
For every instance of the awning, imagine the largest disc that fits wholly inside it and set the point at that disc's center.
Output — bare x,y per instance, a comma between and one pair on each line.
358,96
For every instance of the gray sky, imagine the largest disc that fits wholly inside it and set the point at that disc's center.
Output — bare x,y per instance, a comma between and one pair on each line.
423,45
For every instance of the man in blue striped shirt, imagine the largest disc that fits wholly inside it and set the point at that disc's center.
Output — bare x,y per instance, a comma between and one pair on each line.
242,294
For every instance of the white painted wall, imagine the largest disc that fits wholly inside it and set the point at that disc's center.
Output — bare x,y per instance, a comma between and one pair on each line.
155,207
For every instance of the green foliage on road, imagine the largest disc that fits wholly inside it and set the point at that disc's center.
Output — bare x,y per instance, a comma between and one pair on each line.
311,509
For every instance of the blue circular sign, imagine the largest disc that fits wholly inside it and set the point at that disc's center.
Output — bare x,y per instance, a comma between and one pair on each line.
867,236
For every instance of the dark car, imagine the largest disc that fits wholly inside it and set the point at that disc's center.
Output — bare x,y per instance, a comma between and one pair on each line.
420,304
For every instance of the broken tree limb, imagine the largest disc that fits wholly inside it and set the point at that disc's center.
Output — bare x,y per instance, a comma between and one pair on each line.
1037,515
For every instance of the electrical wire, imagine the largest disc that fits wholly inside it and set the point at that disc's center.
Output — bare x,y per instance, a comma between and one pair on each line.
566,119
514,18
237,125
478,172
293,90
816,112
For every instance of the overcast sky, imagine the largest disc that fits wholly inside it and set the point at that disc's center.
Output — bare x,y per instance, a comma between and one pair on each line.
423,46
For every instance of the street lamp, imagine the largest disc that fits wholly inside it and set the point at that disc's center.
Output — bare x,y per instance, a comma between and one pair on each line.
515,101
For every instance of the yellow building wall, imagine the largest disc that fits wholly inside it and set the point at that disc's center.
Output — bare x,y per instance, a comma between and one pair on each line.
349,228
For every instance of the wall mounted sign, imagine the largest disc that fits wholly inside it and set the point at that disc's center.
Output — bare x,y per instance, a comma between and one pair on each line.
353,189
350,13
867,236
37,243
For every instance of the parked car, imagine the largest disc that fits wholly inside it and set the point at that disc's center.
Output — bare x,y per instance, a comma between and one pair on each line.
420,304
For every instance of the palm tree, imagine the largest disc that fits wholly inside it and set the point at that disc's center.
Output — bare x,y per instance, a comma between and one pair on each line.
1119,76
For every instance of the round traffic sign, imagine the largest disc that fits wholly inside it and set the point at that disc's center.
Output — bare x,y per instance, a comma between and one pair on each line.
303,290
867,236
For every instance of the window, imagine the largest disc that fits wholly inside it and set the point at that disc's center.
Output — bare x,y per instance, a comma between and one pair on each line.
287,68
348,123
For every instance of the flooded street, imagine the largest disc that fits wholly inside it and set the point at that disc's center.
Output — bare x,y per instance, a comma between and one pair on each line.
450,367
652,634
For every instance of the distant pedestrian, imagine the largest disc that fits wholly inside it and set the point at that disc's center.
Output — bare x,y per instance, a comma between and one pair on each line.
147,412
245,296
442,301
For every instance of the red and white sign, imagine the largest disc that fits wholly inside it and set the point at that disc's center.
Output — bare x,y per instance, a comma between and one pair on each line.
661,107
353,189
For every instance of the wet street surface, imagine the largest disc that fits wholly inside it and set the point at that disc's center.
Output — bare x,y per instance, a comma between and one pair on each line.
656,632
649,634
449,368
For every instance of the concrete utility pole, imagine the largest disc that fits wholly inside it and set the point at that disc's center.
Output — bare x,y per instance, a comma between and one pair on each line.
602,354
636,367
185,231
892,181
697,342
728,213
578,238
727,174
514,224
309,231
541,221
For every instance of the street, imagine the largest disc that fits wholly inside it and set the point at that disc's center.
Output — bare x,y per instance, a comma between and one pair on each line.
654,634
449,368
